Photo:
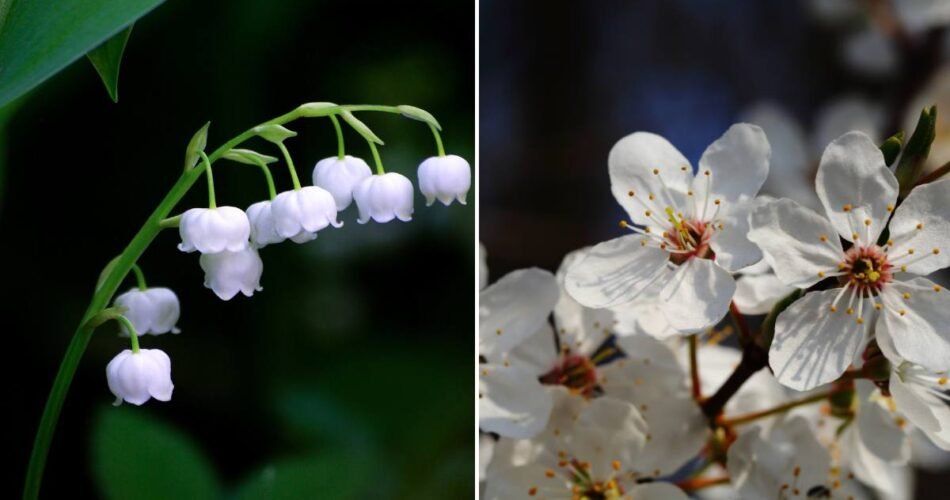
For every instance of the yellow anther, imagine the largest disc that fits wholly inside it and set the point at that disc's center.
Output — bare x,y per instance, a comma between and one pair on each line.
646,230
910,251
890,243
648,213
623,224
890,208
937,288
906,295
903,269
902,312
684,168
643,243
847,207
651,197
859,321
549,473
867,222
849,311
942,381
707,173
842,265
821,274
498,331
717,201
630,194
936,251
656,171
834,308
877,307
920,225
615,465
854,236
689,193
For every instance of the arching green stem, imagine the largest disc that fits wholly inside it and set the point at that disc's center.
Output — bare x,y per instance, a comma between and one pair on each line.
139,277
133,333
438,139
376,158
290,165
212,203
340,149
271,190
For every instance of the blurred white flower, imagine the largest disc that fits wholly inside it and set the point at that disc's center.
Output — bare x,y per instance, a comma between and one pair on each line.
263,229
340,177
384,198
212,230
135,377
227,273
445,178
154,310
685,220
299,214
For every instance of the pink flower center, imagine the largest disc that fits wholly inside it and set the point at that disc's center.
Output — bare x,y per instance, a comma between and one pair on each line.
690,239
574,371
866,269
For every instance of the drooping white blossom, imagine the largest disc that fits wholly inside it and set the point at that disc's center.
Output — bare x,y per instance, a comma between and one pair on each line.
384,198
820,335
153,310
263,229
340,176
689,229
227,273
212,230
445,178
299,214
135,377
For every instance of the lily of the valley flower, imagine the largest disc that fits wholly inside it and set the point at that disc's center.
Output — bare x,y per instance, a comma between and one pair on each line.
227,273
154,310
299,214
821,334
136,377
445,178
690,229
340,176
263,230
384,198
212,230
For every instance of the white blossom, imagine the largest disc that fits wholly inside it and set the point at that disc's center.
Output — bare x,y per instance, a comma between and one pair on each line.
263,228
384,198
212,230
445,178
227,273
299,214
340,177
681,221
153,310
135,377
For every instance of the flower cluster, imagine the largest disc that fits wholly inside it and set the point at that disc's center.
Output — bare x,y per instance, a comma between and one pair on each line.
229,239
614,379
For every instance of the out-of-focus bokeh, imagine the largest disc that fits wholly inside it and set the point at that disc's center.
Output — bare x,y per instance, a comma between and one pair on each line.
350,373
561,82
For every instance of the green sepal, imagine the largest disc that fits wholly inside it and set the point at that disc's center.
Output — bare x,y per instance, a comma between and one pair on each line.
107,59
916,151
419,114
313,109
274,133
891,148
360,127
248,157
195,146
768,325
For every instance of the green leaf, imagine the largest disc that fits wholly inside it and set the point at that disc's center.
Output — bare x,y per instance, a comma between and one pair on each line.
916,151
137,456
107,57
419,114
768,325
38,39
249,157
312,109
892,147
360,127
333,475
196,145
274,133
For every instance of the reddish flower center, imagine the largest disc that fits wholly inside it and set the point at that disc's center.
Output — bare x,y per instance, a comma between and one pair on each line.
866,269
573,371
687,240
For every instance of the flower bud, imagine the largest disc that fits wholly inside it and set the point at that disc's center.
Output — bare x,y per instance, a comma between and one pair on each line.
154,310
261,217
339,177
445,178
299,214
136,377
212,230
227,273
384,198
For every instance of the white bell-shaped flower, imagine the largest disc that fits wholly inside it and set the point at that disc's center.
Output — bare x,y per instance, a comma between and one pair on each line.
445,178
299,214
153,310
340,177
212,230
263,230
136,377
384,198
227,273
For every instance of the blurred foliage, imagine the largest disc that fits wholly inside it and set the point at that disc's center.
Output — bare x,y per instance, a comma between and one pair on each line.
350,373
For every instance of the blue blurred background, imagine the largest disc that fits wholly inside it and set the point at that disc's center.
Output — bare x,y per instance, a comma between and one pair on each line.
350,375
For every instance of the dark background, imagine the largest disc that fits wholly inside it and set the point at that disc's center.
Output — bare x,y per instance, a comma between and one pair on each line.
359,347
561,82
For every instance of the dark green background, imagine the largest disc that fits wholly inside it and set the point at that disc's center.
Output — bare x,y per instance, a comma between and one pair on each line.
351,371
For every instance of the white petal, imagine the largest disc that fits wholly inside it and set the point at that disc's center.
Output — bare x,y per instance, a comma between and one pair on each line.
580,328
212,230
737,162
632,162
608,429
340,177
227,273
790,236
757,294
644,317
790,169
927,207
614,272
812,345
511,401
910,403
160,386
166,310
507,483
514,308
445,178
384,197
921,335
697,296
657,491
855,186
878,427
731,244
538,353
